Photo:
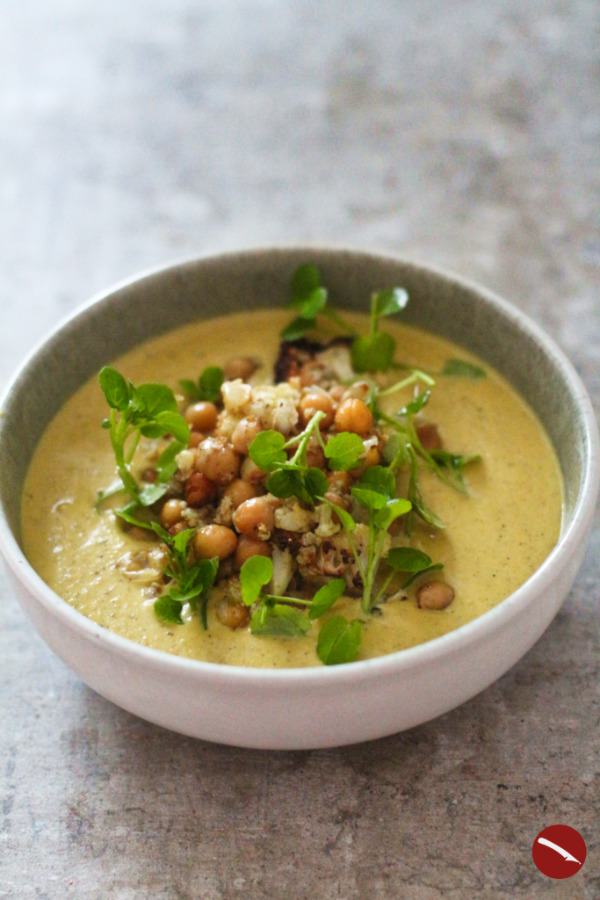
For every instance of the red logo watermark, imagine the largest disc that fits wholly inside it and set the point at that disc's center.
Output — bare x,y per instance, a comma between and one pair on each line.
559,851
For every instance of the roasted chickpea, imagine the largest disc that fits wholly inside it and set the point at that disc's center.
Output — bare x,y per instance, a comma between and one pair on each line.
435,595
217,459
337,499
233,615
372,457
177,527
339,481
244,433
317,402
171,512
248,546
251,473
214,540
196,437
239,491
255,517
199,490
353,415
201,416
315,456
240,367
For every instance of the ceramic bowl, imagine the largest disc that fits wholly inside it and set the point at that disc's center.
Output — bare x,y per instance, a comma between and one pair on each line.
325,706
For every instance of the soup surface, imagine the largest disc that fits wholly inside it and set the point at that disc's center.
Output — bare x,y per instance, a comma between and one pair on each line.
496,534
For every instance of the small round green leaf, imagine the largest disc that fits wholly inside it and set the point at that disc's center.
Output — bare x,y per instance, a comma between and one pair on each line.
266,450
343,451
388,301
254,574
408,559
305,280
115,388
339,641
168,610
326,596
279,621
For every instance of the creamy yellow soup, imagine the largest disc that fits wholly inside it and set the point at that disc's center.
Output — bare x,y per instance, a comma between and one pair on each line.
495,537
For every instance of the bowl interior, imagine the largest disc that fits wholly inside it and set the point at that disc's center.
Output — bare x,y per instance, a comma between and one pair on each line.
159,301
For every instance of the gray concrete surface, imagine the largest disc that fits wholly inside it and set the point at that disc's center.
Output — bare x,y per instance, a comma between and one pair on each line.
461,134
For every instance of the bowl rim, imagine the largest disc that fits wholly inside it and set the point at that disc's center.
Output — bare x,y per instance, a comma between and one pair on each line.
573,533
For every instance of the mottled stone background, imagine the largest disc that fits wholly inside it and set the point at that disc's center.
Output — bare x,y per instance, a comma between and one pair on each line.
464,134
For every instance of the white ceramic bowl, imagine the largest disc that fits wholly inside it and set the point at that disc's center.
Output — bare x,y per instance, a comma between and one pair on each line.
318,707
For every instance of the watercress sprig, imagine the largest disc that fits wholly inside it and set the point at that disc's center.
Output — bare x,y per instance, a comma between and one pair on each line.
283,616
370,353
192,580
290,477
375,352
309,298
446,465
207,387
375,492
149,410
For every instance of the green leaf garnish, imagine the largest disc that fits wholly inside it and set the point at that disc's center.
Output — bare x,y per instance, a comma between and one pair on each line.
345,518
192,579
116,390
388,302
208,386
255,573
149,410
149,401
380,479
267,450
325,597
339,641
416,405
462,369
210,383
291,477
297,329
370,499
411,560
279,620
281,616
151,493
168,610
392,510
408,559
305,280
344,450
453,465
309,298
316,483
373,354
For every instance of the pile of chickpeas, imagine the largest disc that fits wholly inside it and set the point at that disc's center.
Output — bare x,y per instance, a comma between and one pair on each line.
223,469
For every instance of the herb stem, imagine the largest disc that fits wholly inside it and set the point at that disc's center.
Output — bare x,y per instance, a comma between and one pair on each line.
299,457
335,317
281,598
415,376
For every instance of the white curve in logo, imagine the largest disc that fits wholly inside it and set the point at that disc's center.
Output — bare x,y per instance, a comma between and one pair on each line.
564,853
